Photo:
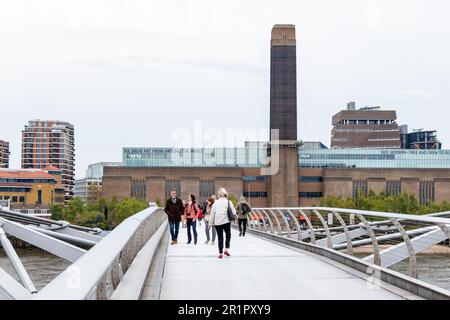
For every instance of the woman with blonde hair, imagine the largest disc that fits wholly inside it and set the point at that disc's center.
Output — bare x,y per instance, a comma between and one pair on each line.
222,213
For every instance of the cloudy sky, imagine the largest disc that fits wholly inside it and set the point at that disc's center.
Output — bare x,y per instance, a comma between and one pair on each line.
149,73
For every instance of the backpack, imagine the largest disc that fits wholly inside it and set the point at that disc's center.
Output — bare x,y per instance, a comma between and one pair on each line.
245,208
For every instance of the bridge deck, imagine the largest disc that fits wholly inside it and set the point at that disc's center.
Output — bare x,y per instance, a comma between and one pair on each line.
257,269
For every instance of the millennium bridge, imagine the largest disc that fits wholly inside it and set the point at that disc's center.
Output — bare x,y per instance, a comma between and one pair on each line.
288,253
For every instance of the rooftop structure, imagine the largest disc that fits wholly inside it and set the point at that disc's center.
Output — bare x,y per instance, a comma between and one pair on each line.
368,127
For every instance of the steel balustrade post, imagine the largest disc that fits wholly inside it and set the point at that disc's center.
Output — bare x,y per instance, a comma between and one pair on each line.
297,225
347,233
376,248
263,226
16,262
249,221
254,216
310,226
116,274
270,221
258,213
412,254
325,226
288,227
101,289
280,231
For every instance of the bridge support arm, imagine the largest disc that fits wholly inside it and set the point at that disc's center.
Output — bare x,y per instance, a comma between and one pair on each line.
288,228
280,231
270,221
445,229
412,254
15,260
347,233
376,247
310,226
297,225
325,226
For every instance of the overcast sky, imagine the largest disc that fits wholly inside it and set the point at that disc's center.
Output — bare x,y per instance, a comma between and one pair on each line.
136,72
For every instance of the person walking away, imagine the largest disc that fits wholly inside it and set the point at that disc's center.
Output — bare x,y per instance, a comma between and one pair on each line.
222,213
191,211
243,208
174,210
208,228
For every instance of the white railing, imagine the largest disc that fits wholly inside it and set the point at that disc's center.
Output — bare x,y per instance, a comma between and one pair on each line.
99,272
382,238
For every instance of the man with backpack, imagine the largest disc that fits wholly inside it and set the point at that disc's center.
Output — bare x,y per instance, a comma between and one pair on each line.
242,208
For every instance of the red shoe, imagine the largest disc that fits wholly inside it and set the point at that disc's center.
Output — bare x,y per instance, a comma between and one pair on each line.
220,256
227,253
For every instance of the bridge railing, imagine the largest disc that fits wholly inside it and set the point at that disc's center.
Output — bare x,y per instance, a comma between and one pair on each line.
100,271
381,238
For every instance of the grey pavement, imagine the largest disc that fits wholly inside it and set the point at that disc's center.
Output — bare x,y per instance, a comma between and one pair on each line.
257,269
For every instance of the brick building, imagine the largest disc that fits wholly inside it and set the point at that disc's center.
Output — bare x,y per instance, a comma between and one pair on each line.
46,142
368,127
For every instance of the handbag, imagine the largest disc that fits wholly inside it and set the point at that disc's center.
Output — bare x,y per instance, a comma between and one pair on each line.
230,213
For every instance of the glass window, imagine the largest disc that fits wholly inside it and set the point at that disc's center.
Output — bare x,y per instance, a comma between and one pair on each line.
307,179
254,178
311,194
374,158
255,194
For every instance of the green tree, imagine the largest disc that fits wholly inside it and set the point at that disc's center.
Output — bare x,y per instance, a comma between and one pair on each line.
74,207
57,211
400,203
126,208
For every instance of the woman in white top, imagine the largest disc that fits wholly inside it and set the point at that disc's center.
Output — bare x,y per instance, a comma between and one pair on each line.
219,219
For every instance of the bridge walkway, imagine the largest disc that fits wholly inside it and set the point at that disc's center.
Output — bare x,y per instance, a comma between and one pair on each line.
257,269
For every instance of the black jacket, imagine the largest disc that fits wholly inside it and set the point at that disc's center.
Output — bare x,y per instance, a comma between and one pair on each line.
174,210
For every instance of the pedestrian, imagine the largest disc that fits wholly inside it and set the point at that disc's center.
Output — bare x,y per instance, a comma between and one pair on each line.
208,228
242,208
174,210
191,211
222,213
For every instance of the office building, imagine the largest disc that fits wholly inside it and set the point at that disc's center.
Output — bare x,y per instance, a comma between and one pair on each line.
46,142
4,154
368,127
90,187
419,139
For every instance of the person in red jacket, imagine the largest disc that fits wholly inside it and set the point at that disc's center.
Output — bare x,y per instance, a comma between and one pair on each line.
191,211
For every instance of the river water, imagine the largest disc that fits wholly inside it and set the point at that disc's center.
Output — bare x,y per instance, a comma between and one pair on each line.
433,269
43,267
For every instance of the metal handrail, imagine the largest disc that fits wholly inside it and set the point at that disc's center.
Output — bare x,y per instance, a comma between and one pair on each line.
434,226
87,277
411,217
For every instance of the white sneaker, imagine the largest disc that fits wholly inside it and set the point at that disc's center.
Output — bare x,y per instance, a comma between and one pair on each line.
212,243
207,241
